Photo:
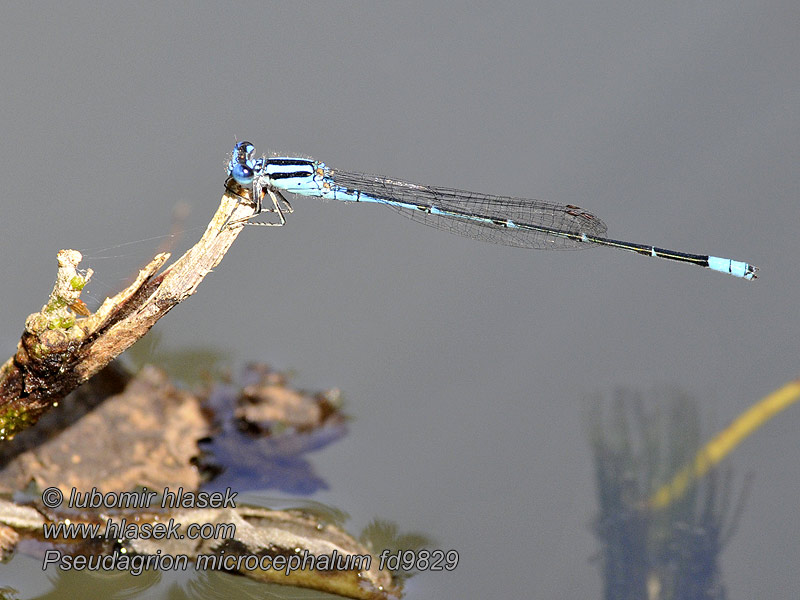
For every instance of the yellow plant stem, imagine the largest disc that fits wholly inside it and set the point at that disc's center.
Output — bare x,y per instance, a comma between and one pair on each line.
724,442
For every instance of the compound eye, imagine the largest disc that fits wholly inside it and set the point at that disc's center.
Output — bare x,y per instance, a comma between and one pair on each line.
242,174
244,150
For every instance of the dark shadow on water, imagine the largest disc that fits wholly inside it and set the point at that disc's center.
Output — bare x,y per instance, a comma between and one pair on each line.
264,432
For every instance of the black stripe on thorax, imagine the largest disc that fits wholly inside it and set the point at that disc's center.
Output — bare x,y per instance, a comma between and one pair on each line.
290,161
295,174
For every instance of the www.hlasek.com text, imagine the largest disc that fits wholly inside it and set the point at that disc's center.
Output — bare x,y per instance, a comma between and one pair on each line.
123,529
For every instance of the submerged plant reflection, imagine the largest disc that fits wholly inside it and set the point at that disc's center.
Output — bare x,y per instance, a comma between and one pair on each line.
672,552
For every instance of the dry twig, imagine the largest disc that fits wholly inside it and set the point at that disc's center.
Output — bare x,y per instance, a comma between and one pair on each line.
59,351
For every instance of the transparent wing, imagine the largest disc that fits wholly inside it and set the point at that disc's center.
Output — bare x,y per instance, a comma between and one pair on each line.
538,224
